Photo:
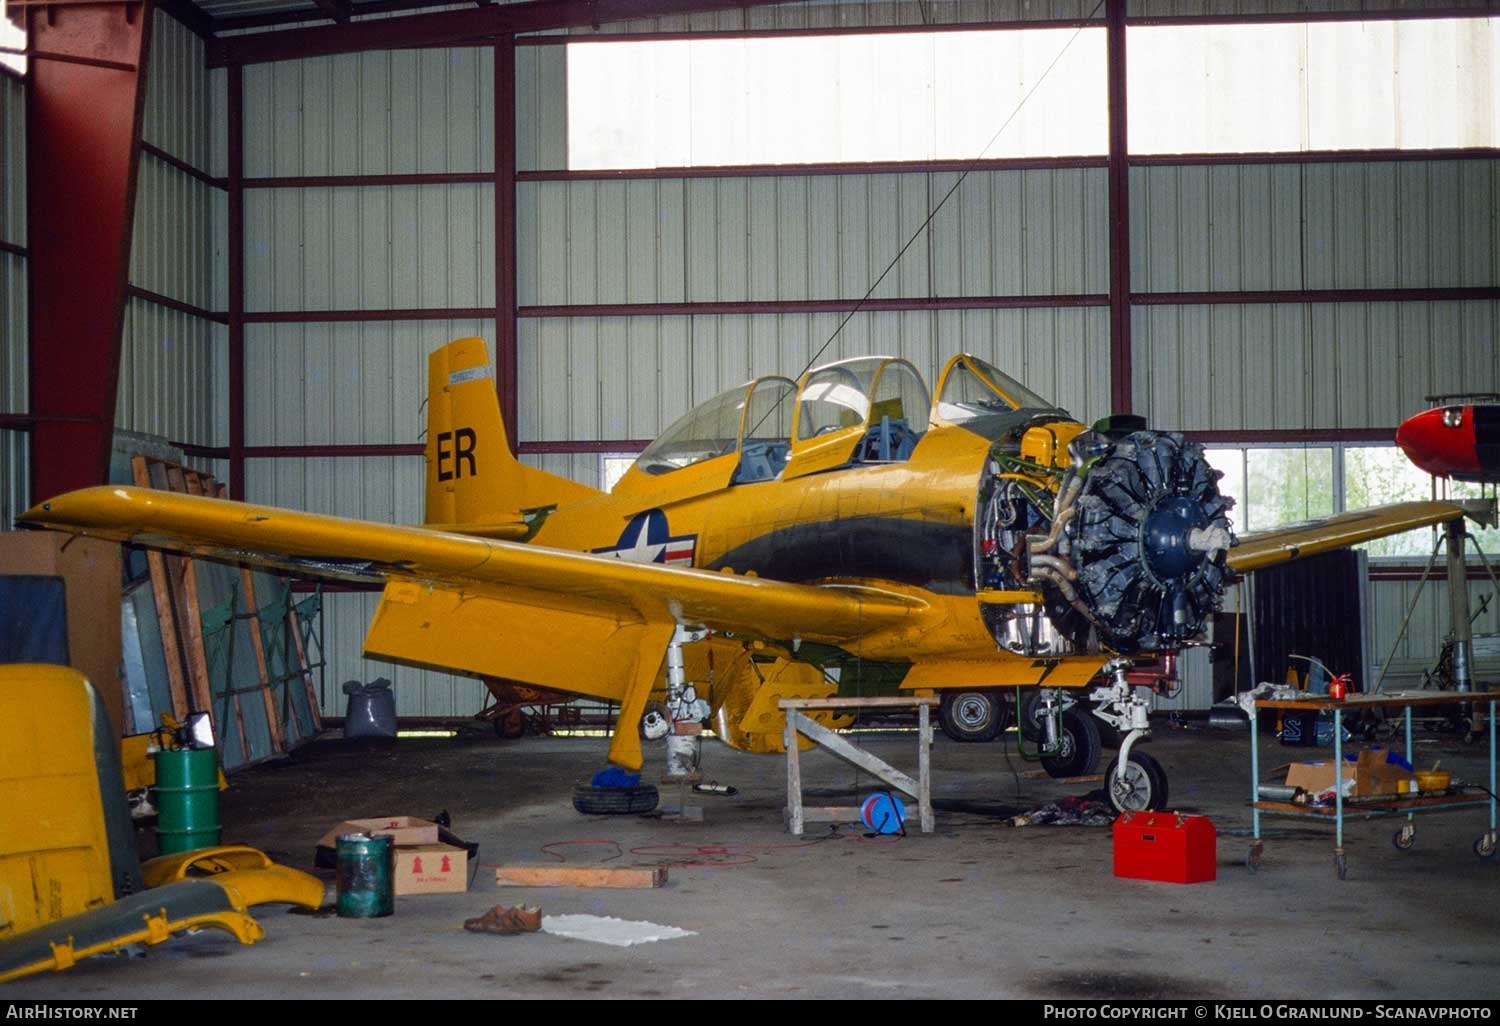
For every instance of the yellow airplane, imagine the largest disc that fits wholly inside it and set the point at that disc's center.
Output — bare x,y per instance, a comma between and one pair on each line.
982,541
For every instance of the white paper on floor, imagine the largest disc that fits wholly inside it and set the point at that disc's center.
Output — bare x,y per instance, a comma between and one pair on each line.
622,933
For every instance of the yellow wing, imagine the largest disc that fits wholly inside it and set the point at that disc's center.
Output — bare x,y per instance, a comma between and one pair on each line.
1293,541
566,621
340,548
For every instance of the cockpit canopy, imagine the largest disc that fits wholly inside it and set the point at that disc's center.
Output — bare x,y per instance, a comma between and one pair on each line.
871,409
755,415
972,390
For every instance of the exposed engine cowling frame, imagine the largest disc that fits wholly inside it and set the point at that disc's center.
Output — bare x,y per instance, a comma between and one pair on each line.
1127,545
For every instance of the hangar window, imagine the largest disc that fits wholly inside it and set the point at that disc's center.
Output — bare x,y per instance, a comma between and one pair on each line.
1422,83
1274,485
12,37
1284,484
837,98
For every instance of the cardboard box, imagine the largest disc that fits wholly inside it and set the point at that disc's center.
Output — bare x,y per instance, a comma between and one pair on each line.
431,869
1371,773
405,830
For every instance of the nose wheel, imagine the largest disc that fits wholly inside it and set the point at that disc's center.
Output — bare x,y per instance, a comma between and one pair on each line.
1142,787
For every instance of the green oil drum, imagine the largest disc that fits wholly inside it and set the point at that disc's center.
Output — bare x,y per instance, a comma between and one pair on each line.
187,798
366,876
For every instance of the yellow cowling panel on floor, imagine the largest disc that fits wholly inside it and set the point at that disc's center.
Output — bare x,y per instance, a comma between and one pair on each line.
271,885
205,861
246,874
54,850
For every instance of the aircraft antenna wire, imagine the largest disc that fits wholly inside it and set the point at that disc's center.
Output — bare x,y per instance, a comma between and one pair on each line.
932,214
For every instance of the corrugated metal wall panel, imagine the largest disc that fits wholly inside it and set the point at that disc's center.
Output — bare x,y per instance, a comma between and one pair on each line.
370,248
418,692
1315,226
342,383
1388,603
1300,366
13,340
177,93
170,368
583,467
792,238
12,161
15,485
173,252
1249,8
845,13
387,489
604,377
381,112
541,108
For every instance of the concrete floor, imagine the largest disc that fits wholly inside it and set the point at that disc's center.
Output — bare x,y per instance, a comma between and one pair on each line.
978,909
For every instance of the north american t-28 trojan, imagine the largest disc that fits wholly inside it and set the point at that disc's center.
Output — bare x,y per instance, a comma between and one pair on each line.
984,541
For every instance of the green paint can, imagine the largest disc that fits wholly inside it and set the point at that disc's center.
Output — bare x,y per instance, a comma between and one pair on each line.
187,798
366,876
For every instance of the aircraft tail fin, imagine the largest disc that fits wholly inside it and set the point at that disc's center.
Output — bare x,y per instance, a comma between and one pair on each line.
473,478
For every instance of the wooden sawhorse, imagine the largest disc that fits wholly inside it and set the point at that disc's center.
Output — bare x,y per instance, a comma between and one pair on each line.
797,723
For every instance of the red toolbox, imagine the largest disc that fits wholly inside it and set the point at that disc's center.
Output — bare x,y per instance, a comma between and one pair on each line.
1165,846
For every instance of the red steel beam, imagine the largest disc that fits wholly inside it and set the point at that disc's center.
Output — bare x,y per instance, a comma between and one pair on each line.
1301,436
157,298
882,167
275,18
449,27
83,130
1458,294
1119,209
338,10
1314,157
791,306
507,348
181,165
374,450
236,247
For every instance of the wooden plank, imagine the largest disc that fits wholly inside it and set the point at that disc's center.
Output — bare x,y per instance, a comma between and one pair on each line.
832,814
858,703
192,483
193,641
836,744
166,621
268,697
294,623
580,876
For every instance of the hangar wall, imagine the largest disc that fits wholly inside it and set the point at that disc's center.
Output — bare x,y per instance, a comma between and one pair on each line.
610,350
172,355
14,483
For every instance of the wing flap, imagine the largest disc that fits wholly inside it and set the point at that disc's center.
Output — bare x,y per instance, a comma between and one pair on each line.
316,545
1294,541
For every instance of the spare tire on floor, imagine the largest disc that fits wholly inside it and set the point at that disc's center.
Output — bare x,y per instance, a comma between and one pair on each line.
615,801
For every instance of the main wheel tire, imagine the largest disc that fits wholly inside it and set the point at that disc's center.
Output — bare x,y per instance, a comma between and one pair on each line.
510,725
615,801
1028,722
1144,788
1079,752
972,715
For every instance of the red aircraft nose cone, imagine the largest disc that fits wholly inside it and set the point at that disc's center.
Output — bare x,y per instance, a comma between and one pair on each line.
1441,441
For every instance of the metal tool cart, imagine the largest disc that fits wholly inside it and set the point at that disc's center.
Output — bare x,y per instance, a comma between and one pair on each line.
1456,797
